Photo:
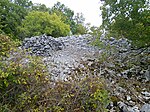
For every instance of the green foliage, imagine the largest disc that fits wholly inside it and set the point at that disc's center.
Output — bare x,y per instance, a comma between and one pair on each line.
14,13
40,7
97,43
23,3
24,87
22,81
65,13
85,95
129,19
6,44
37,23
80,29
67,16
98,99
11,15
102,98
79,18
96,33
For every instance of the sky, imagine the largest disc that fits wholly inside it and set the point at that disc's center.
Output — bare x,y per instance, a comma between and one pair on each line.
89,8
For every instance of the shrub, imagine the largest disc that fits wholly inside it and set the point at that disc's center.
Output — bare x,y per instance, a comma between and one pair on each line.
22,81
37,23
86,95
5,45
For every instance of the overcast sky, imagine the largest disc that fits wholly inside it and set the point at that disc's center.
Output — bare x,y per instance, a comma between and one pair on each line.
89,8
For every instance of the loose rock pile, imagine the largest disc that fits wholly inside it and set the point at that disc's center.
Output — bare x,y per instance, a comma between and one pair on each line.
42,45
128,72
64,56
133,61
122,45
65,61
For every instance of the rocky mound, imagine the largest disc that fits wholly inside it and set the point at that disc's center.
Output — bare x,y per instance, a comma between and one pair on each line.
42,45
128,73
127,70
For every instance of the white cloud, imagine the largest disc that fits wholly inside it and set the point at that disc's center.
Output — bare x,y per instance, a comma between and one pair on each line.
89,8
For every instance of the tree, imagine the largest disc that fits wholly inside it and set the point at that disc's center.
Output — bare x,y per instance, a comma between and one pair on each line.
66,15
76,22
79,18
11,15
79,24
40,7
80,29
37,23
129,19
7,20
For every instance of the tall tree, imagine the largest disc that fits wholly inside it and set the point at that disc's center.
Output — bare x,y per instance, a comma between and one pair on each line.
79,21
66,15
79,18
129,19
23,3
12,12
40,7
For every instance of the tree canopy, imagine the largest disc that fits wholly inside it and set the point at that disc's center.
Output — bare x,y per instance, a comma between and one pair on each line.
129,19
40,7
75,21
12,13
22,18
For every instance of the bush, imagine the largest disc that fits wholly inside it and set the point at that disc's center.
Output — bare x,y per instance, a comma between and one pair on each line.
96,33
37,23
22,81
86,95
6,44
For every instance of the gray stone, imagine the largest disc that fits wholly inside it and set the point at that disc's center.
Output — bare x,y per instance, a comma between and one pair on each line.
122,90
47,47
145,108
75,50
133,109
123,107
147,75
146,93
128,97
40,45
111,38
90,63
